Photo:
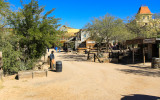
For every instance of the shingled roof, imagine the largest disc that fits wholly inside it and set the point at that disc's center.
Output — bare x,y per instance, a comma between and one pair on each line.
144,10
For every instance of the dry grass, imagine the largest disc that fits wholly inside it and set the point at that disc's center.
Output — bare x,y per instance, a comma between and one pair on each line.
1,86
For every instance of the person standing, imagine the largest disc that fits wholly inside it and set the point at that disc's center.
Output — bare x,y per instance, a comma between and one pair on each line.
56,48
52,60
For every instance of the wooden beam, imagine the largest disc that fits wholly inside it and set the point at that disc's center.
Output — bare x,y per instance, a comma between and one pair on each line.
159,49
88,55
94,57
144,55
133,53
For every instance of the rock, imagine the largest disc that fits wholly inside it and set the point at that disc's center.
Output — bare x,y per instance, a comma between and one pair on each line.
40,63
44,67
35,68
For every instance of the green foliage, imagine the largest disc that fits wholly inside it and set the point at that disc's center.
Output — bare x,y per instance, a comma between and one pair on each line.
4,12
156,16
8,42
137,28
37,31
11,55
30,34
156,24
71,45
106,28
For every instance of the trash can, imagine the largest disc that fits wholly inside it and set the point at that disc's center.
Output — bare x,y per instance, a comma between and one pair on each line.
155,63
58,66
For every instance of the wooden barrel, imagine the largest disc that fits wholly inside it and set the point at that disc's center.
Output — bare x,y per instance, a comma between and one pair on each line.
155,62
58,66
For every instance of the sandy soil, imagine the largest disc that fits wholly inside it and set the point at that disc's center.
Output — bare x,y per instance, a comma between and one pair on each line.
82,80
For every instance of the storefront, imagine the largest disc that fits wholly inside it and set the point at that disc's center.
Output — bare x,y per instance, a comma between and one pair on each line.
146,48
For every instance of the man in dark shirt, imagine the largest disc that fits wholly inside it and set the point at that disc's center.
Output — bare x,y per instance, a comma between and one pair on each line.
52,60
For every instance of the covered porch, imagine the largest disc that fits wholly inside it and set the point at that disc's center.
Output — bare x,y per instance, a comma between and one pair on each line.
144,49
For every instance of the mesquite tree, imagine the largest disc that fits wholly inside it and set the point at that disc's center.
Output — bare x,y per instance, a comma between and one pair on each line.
36,30
106,28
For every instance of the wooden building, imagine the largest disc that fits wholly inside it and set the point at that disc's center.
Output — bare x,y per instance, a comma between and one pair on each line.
146,48
87,44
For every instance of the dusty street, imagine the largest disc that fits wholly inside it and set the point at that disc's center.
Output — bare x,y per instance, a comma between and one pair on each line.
81,80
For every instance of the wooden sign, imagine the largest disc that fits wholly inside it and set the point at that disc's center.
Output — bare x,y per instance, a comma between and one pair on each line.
157,39
91,42
149,40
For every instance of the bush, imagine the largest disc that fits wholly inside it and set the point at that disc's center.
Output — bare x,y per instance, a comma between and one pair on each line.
11,56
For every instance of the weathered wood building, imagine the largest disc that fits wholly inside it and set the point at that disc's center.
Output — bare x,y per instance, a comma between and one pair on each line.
145,48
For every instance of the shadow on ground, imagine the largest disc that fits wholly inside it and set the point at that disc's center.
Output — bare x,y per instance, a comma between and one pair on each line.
153,73
140,97
73,57
145,68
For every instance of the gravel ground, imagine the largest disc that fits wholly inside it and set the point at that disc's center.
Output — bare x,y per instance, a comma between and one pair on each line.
82,80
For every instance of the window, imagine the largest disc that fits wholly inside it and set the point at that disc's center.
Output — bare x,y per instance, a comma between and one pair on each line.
143,17
147,17
84,35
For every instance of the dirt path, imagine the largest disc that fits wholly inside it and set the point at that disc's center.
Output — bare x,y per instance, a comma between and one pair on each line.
81,80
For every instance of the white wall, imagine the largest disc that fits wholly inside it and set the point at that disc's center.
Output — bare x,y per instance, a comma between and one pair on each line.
84,35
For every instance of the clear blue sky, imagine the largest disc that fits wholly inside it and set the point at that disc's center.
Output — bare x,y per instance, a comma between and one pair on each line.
77,13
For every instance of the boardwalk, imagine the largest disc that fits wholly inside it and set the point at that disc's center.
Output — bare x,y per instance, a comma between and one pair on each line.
82,80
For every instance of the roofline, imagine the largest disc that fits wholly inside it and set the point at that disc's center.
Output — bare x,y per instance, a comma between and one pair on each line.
145,14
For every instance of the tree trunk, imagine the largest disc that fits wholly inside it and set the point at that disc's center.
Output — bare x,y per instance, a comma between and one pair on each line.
107,45
98,46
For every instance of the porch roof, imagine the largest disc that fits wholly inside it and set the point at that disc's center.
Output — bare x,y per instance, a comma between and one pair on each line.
142,41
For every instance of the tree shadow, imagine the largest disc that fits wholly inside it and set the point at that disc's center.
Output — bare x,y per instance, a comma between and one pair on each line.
73,57
52,70
140,97
139,67
151,73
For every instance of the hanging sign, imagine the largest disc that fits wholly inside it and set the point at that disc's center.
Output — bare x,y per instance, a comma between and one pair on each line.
149,40
91,42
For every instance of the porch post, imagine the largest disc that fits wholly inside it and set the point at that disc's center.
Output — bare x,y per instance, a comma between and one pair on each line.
133,53
159,49
144,54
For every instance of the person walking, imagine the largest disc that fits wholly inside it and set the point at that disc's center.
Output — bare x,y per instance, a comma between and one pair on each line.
52,60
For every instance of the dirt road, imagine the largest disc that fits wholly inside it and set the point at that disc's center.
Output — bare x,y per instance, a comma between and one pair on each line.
81,80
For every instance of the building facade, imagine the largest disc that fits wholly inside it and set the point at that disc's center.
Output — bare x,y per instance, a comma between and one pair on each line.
145,17
69,33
